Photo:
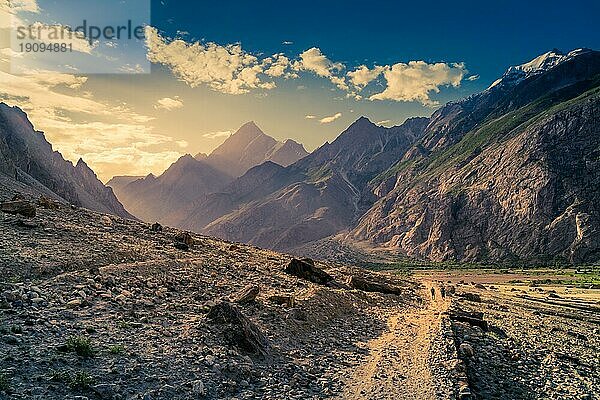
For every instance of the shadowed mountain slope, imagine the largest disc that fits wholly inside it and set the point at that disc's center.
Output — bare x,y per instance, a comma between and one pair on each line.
28,162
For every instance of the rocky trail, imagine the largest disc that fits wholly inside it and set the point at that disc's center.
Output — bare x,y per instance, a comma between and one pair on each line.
398,366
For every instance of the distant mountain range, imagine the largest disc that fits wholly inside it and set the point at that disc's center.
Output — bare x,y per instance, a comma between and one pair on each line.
510,174
28,164
170,197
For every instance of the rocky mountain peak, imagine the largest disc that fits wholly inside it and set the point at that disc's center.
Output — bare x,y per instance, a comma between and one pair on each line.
361,123
249,130
82,165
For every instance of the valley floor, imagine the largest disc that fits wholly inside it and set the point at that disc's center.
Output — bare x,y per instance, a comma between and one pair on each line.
98,307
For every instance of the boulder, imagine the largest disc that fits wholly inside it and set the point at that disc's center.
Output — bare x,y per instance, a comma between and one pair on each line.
365,285
21,207
239,330
48,203
247,295
185,237
466,350
181,246
470,297
306,269
156,227
473,318
284,300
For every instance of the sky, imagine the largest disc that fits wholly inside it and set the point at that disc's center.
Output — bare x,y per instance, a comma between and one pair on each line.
303,71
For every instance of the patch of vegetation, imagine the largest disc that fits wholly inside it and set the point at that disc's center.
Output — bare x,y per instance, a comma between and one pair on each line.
393,171
81,346
60,376
77,380
123,325
584,281
81,380
16,329
4,383
116,349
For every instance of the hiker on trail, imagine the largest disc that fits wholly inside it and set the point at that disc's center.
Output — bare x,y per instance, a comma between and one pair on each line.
433,293
443,292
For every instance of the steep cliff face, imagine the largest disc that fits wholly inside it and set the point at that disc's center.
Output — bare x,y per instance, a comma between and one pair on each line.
518,181
27,157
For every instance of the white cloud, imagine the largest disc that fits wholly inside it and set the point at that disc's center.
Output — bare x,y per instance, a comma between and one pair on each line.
328,120
278,65
132,69
7,54
169,104
416,80
384,122
217,135
310,117
227,69
230,69
10,8
362,75
473,78
315,61
287,43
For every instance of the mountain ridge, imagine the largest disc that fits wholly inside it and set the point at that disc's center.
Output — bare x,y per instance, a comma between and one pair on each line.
466,178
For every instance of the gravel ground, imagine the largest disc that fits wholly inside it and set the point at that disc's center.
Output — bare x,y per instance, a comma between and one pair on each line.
539,346
103,308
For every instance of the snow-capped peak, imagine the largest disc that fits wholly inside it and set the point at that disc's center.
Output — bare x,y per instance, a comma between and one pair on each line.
542,63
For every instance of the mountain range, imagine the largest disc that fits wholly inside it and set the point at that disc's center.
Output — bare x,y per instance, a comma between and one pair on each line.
169,197
510,174
249,147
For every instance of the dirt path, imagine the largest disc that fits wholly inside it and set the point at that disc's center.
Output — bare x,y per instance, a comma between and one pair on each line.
397,366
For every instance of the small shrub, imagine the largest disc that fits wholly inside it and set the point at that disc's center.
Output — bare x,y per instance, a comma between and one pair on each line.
81,380
77,380
60,376
80,345
123,325
16,329
116,349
